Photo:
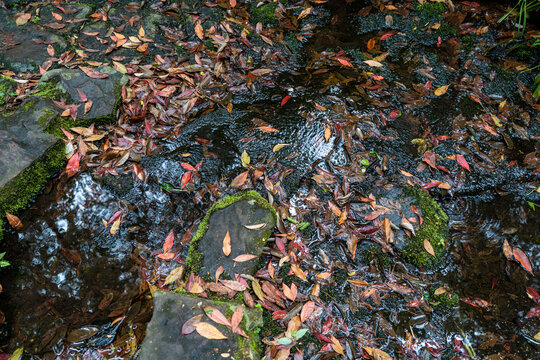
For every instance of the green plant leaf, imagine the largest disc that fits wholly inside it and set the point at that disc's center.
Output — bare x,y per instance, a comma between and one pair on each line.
364,162
284,341
300,333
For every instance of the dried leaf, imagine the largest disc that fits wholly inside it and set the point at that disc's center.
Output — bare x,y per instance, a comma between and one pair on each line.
244,257
227,244
327,133
507,250
14,221
428,247
240,179
168,243
199,31
290,292
441,90
358,282
373,63
521,257
216,315
307,310
279,147
72,166
174,275
92,73
256,226
336,345
208,331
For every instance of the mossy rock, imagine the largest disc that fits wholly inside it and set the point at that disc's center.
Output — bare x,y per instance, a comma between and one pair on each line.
7,87
264,13
434,229
232,214
164,339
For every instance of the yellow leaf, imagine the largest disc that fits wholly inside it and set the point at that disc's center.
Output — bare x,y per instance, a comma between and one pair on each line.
245,159
327,133
373,63
441,90
17,354
174,275
358,282
208,331
279,147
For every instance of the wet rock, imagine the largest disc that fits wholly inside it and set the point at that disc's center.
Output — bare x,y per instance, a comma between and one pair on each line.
164,339
104,93
24,48
232,214
22,139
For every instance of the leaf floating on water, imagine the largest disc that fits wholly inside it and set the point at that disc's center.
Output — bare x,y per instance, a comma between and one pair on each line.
240,179
461,161
327,133
244,257
168,243
441,90
14,221
255,226
186,178
373,63
227,244
507,250
521,257
428,247
279,147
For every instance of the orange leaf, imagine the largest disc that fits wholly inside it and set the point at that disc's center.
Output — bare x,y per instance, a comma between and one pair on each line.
290,292
199,31
167,256
14,221
267,129
244,257
507,250
168,244
240,179
336,345
441,90
307,310
327,133
521,257
371,43
227,244
344,62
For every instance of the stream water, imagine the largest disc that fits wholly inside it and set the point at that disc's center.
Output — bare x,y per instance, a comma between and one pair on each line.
72,280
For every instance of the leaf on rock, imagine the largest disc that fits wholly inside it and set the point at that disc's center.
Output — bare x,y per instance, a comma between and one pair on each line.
216,315
256,226
174,275
244,258
189,327
428,247
208,331
227,244
92,73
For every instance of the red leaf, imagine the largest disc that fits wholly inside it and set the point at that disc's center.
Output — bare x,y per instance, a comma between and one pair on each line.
240,179
73,165
476,302
461,161
394,114
82,95
186,178
188,166
430,185
521,257
203,141
386,36
533,294
439,41
168,244
285,99
430,159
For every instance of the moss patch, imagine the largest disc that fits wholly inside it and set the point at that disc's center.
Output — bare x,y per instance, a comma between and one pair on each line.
7,87
263,14
194,259
434,228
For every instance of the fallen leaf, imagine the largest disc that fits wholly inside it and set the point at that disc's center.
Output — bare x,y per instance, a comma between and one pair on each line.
344,62
336,345
358,282
507,250
327,133
245,159
199,31
14,221
208,331
72,166
255,226
174,275
240,179
22,18
227,244
428,247
168,243
307,310
279,147
92,73
373,63
285,99
244,257
461,161
521,257
216,315
441,90
267,129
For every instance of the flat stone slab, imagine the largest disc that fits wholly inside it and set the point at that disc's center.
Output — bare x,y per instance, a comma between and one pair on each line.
103,92
22,140
164,339
248,218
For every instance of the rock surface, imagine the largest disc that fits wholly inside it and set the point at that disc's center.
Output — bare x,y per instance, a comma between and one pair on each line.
164,339
233,214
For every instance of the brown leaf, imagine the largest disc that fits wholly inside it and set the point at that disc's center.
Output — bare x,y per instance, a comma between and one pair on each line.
14,221
199,31
188,327
240,179
327,133
236,318
428,247
208,331
336,345
290,292
227,244
92,73
507,250
307,310
358,282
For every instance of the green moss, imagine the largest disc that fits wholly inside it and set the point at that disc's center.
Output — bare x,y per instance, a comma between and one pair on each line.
19,191
263,14
7,87
430,10
434,228
374,251
194,259
444,302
